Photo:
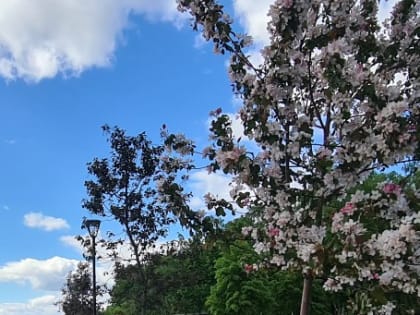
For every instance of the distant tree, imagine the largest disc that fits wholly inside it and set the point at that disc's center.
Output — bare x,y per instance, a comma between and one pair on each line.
125,309
127,293
131,187
189,275
178,283
77,292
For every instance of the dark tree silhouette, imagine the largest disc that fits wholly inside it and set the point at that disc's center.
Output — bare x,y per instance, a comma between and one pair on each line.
77,292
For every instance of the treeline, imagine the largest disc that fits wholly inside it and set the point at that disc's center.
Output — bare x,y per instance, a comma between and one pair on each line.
215,276
221,274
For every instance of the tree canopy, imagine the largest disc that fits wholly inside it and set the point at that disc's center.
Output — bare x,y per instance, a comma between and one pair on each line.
334,99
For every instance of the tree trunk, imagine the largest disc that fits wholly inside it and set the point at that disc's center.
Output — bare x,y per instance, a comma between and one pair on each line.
305,305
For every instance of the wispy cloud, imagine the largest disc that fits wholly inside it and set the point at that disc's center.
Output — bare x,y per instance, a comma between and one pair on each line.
199,41
72,242
202,183
253,17
43,38
5,207
39,221
10,141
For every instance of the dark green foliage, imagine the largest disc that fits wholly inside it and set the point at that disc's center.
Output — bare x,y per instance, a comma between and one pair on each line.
236,292
77,292
124,188
177,283
260,290
189,275
134,293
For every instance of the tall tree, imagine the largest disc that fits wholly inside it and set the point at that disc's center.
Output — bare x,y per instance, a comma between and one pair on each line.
137,186
77,292
124,188
335,98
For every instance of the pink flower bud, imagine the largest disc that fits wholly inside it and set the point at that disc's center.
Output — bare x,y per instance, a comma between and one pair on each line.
348,208
248,268
274,232
216,112
391,188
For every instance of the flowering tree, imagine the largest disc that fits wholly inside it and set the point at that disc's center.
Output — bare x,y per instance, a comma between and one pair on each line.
335,99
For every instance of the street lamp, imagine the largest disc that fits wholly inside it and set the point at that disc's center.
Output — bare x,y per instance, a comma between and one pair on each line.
93,229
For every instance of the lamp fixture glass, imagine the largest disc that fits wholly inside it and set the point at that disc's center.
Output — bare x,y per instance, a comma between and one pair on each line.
93,227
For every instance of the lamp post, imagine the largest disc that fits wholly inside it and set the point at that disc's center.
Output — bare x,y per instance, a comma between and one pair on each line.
93,229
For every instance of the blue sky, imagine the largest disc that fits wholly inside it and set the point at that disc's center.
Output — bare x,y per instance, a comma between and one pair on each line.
157,72
66,68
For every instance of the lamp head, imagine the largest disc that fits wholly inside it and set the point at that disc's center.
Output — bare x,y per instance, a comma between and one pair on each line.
92,227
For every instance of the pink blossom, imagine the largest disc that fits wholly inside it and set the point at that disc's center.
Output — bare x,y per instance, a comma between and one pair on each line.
206,151
208,198
245,202
210,169
216,112
411,128
248,268
391,188
229,158
348,208
246,230
274,232
332,285
287,3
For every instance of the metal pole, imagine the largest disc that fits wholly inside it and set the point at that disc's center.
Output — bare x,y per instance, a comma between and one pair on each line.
305,305
94,275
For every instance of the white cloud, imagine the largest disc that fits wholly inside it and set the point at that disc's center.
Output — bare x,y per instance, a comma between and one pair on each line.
253,17
237,102
46,274
237,127
199,41
101,252
43,305
42,38
202,183
385,9
43,222
49,275
71,241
